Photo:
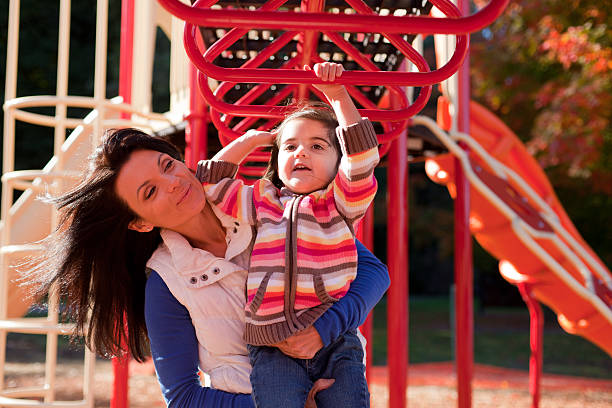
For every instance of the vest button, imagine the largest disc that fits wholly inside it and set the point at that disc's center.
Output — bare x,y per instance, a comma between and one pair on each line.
204,277
193,280
216,271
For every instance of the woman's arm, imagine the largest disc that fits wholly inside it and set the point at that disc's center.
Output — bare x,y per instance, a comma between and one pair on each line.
174,348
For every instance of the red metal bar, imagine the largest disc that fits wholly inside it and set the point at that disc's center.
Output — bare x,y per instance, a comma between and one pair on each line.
126,50
271,111
363,78
226,134
464,291
536,342
365,62
120,366
463,299
119,393
464,346
235,34
268,75
203,62
397,256
243,125
287,20
308,41
196,132
391,129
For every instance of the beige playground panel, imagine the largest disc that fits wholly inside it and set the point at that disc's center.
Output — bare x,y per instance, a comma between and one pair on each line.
28,220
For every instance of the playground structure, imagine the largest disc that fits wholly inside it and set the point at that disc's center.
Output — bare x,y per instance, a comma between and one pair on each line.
242,69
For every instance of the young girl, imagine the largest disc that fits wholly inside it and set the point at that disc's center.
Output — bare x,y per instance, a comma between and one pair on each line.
304,257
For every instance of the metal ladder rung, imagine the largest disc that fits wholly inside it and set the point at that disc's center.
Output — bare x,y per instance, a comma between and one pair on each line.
13,402
23,392
14,176
27,326
19,249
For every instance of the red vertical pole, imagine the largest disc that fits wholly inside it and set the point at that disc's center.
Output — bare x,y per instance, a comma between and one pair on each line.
365,233
126,50
119,396
196,132
464,346
308,42
397,257
536,328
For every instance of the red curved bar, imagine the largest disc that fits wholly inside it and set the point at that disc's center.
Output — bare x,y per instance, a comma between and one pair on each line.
260,75
235,33
273,111
268,16
267,75
367,64
227,134
287,20
389,79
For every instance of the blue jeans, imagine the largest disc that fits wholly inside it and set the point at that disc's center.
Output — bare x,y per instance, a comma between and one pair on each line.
282,381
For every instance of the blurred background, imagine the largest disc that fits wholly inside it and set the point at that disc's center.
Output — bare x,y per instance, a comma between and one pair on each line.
545,68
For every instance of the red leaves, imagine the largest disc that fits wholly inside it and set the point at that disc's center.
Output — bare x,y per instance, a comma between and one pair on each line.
549,64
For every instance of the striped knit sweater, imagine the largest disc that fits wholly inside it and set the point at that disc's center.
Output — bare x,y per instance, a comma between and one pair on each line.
304,256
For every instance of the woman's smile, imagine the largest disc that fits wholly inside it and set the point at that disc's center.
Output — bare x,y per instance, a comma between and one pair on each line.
186,193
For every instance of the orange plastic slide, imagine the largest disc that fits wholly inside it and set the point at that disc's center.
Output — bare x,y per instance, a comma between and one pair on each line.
560,268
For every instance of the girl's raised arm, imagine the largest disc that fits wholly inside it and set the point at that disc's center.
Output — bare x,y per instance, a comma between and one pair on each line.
236,151
336,94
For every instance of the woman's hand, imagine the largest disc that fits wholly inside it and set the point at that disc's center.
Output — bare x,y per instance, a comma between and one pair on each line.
328,72
302,345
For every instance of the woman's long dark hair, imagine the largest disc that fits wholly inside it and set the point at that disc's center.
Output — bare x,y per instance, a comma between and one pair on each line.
97,262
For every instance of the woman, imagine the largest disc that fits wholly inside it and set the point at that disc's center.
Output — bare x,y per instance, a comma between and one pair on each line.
141,206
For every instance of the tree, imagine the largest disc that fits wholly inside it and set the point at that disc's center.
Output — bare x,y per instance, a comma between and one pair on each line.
545,68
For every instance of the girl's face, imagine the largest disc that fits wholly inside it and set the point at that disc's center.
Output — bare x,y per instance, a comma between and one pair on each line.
307,158
162,191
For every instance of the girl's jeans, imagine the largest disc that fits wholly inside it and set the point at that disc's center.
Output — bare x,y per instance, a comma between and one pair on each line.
282,381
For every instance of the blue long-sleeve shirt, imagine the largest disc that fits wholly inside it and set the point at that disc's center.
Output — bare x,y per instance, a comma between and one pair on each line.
174,346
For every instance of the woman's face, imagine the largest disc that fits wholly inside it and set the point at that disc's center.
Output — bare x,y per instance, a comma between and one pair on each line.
162,191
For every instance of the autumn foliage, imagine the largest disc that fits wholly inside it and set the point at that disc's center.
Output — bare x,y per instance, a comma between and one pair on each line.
546,68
